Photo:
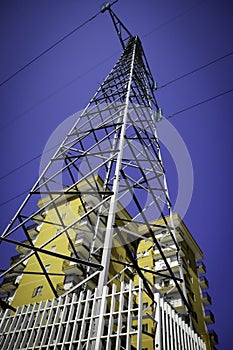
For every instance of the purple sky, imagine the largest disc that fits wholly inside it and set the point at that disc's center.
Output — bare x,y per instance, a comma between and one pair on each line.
178,36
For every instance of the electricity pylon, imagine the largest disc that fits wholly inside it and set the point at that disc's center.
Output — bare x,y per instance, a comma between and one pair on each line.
111,155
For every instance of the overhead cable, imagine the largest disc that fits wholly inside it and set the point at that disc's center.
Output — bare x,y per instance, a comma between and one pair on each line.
196,70
168,117
52,46
69,83
15,197
99,64
28,162
199,103
172,19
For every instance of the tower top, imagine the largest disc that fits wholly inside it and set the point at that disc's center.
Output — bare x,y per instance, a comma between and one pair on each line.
122,32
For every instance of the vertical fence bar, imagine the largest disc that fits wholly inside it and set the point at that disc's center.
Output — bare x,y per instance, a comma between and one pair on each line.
75,336
68,323
129,315
101,318
111,317
158,338
140,298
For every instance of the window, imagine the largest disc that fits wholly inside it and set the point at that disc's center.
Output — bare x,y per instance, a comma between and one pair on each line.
164,282
145,253
63,216
145,327
192,296
47,267
145,306
58,231
37,291
80,209
53,248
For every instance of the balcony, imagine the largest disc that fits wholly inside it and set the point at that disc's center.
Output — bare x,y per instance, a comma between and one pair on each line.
201,269
44,213
64,287
206,299
8,285
175,265
71,268
178,305
168,251
161,266
165,284
86,229
69,282
14,260
209,317
23,250
81,246
60,289
32,231
213,337
18,279
204,284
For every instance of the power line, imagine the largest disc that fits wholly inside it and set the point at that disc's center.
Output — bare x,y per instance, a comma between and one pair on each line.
13,198
69,83
170,116
19,167
181,14
199,103
80,76
52,46
99,64
79,27
196,69
28,162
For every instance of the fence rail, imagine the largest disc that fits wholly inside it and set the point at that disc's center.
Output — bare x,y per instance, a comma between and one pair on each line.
91,322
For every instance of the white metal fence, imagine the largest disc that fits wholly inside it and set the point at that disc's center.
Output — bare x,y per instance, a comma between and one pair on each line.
91,322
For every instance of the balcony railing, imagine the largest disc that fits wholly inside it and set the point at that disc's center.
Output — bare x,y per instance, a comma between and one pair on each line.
168,251
23,250
209,317
201,268
213,337
206,299
8,284
70,267
32,231
177,304
14,260
203,282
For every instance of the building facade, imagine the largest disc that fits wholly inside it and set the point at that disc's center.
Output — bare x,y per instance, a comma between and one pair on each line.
190,265
27,284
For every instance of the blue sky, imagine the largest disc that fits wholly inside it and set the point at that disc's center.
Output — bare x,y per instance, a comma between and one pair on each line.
178,36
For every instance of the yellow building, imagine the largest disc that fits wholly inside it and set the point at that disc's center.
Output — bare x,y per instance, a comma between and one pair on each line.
43,276
32,285
191,266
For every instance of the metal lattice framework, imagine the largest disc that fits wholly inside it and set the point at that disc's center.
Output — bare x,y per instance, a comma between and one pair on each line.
111,161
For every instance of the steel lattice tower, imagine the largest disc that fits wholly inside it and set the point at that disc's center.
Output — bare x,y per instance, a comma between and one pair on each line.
112,155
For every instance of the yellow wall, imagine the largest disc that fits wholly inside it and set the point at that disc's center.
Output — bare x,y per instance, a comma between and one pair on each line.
28,282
